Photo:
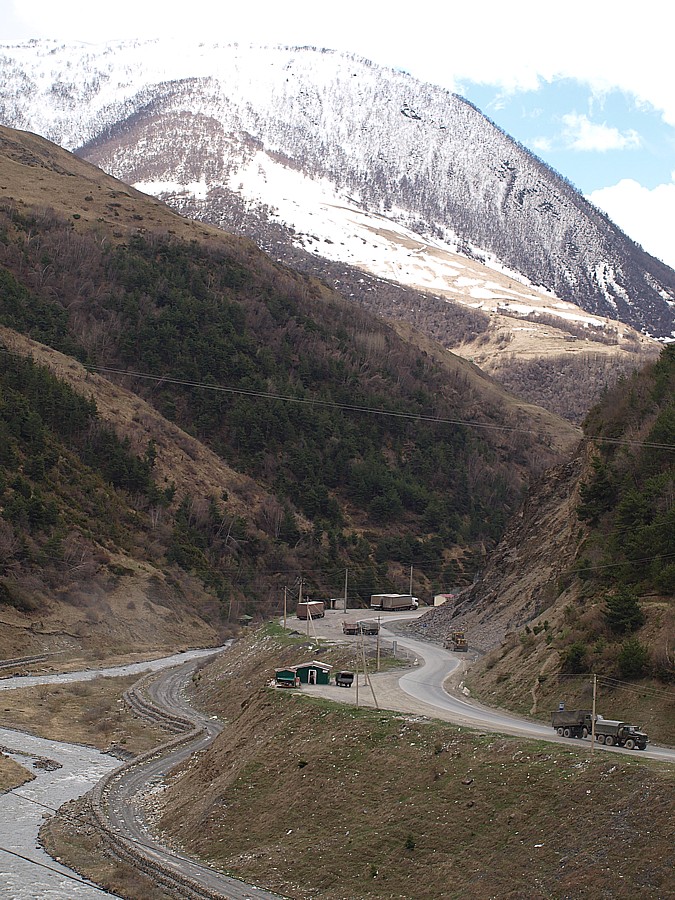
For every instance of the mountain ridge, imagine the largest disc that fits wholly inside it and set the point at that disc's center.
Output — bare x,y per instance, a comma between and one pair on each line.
342,441
428,160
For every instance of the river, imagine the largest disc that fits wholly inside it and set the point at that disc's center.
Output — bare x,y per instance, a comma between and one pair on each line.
27,872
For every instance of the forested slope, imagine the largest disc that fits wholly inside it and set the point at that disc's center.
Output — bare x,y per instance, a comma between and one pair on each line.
358,448
584,579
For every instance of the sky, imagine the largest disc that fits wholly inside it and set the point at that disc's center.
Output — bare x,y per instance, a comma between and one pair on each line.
587,86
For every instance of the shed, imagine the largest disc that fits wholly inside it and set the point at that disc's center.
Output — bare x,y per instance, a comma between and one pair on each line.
313,672
285,677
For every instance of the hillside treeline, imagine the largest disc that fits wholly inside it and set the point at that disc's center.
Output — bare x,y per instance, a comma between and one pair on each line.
627,558
314,399
66,479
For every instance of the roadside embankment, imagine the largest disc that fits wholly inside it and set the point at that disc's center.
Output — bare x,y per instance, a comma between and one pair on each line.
318,799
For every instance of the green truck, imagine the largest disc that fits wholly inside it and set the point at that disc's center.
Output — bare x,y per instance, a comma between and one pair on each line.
578,723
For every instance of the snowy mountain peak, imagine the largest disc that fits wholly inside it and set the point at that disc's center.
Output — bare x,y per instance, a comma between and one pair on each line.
296,132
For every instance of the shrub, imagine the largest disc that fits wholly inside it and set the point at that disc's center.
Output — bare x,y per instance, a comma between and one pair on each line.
623,612
574,659
633,659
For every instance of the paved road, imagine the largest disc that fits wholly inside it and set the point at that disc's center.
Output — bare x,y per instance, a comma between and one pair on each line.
421,690
426,684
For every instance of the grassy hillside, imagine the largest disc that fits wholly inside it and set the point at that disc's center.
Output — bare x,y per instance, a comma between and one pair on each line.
344,802
349,446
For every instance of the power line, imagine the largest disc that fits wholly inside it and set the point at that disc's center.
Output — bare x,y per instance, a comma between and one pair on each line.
78,820
620,565
330,404
344,407
629,686
43,865
616,683
310,401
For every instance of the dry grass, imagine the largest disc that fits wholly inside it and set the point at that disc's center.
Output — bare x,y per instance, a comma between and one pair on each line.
340,802
86,712
36,173
12,774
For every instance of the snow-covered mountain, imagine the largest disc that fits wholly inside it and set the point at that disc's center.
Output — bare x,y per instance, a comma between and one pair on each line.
358,163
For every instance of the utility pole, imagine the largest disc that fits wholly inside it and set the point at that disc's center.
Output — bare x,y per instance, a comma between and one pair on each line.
346,577
411,570
285,605
595,691
366,675
379,618
357,677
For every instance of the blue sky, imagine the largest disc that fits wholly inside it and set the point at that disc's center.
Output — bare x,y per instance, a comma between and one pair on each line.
587,86
593,141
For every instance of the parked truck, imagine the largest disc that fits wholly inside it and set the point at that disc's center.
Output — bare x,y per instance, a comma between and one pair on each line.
578,723
314,609
344,679
457,641
393,601
360,628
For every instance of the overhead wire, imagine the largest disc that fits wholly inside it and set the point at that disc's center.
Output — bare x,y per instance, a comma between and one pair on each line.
55,871
331,404
345,407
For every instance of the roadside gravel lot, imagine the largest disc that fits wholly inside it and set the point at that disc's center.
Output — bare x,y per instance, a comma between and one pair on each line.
385,684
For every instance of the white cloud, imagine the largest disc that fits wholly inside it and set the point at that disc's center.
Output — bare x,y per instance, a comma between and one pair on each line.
606,43
582,134
647,215
542,144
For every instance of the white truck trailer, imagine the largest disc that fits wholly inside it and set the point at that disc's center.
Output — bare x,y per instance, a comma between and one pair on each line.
389,602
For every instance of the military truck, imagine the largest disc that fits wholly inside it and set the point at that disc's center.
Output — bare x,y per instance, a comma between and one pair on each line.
613,733
578,723
572,723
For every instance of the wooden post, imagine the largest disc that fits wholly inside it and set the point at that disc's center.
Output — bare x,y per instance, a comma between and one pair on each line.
379,619
595,691
366,675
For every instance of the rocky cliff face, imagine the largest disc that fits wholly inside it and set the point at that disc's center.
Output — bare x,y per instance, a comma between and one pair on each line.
213,122
522,577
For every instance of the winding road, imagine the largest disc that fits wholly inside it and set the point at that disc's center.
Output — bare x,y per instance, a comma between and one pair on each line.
421,691
118,798
122,796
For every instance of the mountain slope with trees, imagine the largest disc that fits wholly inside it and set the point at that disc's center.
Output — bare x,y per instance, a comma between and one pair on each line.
349,446
583,580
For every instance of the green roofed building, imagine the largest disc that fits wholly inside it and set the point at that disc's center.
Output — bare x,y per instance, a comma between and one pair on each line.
313,672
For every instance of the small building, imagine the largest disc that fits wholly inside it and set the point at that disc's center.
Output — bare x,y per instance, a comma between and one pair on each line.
286,677
313,672
440,599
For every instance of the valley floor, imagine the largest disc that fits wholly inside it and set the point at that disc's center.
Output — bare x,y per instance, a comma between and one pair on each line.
313,798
